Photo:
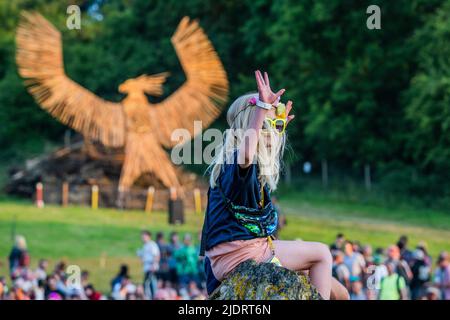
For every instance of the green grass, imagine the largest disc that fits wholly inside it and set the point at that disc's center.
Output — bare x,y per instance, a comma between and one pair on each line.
83,236
101,240
320,206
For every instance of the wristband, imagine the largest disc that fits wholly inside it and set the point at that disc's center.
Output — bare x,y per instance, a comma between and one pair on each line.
263,105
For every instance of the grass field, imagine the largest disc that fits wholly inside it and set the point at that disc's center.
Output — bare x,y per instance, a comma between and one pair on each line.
101,240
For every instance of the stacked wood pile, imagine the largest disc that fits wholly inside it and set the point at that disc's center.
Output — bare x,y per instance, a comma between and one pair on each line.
83,165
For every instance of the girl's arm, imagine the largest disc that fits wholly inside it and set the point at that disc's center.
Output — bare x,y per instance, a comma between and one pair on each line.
248,147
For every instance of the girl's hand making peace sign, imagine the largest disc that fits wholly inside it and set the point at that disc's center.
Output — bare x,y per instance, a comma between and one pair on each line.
268,96
265,92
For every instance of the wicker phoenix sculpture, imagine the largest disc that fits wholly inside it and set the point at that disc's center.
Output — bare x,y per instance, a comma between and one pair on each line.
143,129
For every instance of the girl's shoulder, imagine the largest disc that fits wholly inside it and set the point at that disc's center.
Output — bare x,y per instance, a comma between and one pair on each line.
233,172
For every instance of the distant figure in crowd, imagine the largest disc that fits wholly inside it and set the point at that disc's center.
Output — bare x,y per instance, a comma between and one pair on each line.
432,293
41,270
52,291
340,270
427,258
150,257
405,253
186,258
123,289
3,287
357,292
163,272
173,246
91,293
442,276
338,243
401,266
367,254
60,269
123,273
19,257
165,291
353,260
421,274
393,286
84,278
379,271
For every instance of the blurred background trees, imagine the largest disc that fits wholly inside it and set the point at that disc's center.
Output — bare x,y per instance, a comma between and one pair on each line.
371,103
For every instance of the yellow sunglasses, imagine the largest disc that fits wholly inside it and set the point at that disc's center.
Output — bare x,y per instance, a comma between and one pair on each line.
278,124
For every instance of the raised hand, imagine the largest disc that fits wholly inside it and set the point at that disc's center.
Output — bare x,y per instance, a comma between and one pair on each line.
265,92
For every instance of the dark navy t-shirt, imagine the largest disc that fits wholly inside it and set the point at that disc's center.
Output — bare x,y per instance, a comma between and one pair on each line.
242,187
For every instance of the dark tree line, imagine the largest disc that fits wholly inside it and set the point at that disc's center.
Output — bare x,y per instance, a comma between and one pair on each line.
364,98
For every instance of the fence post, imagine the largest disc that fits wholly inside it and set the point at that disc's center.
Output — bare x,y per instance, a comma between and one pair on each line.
39,195
149,202
197,201
173,193
94,197
65,194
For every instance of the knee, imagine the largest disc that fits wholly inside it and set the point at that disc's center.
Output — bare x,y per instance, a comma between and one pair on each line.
324,253
338,291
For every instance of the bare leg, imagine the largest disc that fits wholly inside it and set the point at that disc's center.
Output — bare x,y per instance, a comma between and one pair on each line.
338,291
314,256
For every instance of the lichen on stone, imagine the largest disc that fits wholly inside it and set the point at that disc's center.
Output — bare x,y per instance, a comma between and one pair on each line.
264,281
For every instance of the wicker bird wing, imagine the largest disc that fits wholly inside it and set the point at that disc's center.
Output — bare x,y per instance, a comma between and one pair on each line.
203,93
39,58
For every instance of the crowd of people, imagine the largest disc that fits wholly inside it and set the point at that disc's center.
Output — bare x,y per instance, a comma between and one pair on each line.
172,270
395,273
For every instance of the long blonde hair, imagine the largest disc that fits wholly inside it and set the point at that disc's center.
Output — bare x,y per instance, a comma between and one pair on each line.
20,242
268,156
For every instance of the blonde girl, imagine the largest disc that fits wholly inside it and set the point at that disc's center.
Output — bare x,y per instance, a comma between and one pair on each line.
240,218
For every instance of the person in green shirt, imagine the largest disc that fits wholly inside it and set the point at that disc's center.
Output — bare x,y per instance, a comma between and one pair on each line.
186,261
393,286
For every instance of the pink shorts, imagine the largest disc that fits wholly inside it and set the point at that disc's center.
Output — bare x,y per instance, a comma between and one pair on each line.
226,256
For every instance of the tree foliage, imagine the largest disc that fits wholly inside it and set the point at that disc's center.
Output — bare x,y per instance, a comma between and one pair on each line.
378,97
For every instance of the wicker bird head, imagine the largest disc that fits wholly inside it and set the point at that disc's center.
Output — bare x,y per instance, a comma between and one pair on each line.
151,85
